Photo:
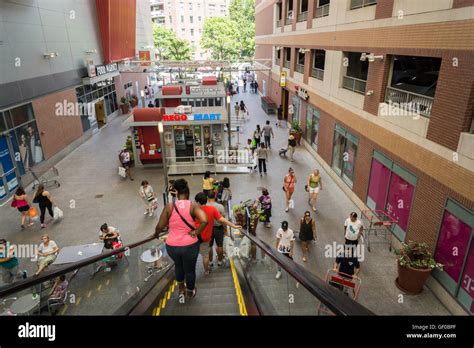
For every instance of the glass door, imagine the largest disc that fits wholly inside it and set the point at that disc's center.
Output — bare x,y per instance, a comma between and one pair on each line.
8,171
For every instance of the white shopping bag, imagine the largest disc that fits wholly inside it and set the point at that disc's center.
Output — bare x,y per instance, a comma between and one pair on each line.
57,214
122,172
291,204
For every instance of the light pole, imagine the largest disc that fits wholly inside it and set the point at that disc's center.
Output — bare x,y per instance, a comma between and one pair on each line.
163,152
142,94
229,124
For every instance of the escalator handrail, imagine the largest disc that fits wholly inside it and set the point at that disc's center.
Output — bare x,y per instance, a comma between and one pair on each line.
331,297
47,275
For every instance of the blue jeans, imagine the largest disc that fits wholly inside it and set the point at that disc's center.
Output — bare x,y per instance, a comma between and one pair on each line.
185,258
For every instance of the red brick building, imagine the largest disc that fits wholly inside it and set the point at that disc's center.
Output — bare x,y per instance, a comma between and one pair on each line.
383,91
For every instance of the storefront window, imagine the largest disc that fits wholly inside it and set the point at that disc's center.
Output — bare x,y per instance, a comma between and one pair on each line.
296,108
344,154
399,200
312,127
455,250
309,125
378,186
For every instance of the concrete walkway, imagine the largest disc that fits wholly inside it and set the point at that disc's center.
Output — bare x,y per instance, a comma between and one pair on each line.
92,193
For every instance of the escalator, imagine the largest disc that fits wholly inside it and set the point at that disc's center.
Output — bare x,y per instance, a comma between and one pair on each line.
244,285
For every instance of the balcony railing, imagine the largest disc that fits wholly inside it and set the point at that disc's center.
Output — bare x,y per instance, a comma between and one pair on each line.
362,3
277,61
278,23
286,64
353,84
412,102
299,68
288,20
317,73
322,11
302,17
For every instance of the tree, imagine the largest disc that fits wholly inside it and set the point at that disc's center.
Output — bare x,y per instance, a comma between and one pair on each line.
169,46
242,13
220,35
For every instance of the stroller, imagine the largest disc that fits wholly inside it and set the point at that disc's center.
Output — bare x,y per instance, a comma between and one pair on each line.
283,152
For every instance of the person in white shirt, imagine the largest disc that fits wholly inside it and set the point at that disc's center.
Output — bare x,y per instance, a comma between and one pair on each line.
148,196
47,252
353,229
285,239
109,235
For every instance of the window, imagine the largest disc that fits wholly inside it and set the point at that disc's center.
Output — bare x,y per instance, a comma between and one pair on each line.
199,18
191,19
312,126
192,34
391,189
171,19
287,57
344,154
361,3
303,6
319,59
356,73
455,250
190,6
183,31
299,66
21,115
182,19
279,10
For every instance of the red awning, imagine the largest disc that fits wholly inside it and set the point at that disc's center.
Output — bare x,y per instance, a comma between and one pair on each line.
147,114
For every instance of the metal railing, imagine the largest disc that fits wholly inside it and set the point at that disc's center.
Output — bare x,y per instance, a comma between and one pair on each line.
302,16
286,63
317,73
288,20
299,68
333,299
277,61
278,23
322,11
354,84
409,101
361,3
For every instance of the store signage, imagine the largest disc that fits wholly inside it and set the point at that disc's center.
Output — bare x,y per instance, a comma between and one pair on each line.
283,79
203,90
145,59
302,93
194,117
106,68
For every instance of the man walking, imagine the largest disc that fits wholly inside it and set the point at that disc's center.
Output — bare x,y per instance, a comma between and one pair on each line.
236,109
218,230
255,85
262,154
267,133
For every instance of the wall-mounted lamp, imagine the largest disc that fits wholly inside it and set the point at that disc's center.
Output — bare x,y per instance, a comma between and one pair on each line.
369,93
91,51
370,57
50,55
303,50
278,48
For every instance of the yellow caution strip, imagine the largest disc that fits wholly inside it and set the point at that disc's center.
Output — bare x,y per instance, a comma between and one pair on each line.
238,290
166,297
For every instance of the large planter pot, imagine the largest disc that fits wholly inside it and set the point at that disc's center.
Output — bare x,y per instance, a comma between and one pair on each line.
124,108
133,103
411,280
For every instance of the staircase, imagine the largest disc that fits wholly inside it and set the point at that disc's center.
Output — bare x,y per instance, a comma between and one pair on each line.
215,295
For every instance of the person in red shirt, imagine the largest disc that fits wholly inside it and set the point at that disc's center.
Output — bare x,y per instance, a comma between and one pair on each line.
205,237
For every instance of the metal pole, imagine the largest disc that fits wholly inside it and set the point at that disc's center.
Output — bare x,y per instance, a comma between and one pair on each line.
163,158
229,132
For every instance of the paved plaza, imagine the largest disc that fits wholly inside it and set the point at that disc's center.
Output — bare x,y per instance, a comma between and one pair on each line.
92,193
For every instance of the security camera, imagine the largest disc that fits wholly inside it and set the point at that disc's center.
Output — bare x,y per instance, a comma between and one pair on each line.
363,57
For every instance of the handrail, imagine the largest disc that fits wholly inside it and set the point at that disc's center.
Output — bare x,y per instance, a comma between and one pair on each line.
333,299
47,275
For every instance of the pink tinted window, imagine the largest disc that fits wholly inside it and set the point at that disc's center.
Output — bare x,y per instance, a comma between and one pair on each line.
467,280
379,178
399,200
452,244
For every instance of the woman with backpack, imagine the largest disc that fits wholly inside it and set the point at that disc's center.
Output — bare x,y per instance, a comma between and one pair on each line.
148,196
44,200
22,203
307,233
266,203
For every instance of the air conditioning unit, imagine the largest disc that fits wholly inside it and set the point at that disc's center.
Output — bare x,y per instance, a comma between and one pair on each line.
183,109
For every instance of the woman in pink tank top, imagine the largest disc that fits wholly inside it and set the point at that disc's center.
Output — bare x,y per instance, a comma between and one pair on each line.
182,244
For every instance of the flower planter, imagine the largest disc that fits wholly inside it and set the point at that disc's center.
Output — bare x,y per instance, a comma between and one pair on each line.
411,280
133,103
124,108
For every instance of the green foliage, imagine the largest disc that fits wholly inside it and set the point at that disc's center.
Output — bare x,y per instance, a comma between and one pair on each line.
242,12
417,255
124,101
220,36
129,146
169,45
296,126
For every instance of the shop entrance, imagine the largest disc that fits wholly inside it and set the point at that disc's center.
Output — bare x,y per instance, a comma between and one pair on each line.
100,113
184,140
8,170
284,103
193,143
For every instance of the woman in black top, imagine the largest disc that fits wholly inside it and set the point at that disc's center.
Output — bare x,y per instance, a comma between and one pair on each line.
43,198
307,233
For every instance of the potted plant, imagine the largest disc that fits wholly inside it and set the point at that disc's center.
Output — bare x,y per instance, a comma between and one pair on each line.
129,146
415,263
296,131
133,101
124,107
